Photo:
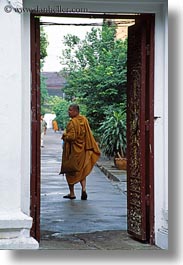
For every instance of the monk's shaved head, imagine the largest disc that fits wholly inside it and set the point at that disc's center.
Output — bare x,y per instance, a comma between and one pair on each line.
74,106
73,110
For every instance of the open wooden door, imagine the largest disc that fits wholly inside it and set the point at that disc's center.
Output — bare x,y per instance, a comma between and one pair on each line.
35,126
140,126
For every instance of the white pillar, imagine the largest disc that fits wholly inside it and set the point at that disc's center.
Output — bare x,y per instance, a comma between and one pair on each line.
161,131
14,223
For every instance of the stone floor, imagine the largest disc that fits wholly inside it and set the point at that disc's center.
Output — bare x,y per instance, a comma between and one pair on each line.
99,223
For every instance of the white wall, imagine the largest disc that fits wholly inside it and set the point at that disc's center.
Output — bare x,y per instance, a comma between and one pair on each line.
118,6
26,116
161,129
10,109
14,224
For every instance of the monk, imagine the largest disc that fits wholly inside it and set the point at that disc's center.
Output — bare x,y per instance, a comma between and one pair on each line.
80,152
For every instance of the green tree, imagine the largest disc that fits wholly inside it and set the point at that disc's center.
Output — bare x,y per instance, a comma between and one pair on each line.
96,71
43,53
43,45
44,93
60,106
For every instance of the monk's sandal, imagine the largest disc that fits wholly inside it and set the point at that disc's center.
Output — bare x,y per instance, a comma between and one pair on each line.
84,195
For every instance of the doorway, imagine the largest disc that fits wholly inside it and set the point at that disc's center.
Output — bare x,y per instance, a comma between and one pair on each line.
140,125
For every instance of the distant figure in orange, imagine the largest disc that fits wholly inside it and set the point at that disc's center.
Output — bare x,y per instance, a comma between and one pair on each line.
55,125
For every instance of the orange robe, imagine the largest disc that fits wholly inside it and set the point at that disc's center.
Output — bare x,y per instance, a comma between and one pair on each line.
55,126
79,140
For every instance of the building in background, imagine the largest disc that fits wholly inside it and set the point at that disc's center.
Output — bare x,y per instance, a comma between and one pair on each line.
54,83
121,26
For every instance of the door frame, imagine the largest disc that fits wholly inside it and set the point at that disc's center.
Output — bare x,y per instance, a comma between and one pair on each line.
35,129
140,129
35,151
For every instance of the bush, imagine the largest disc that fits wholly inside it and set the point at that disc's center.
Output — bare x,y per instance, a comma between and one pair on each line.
113,133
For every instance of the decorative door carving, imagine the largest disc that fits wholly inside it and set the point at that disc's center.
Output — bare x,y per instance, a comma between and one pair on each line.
140,129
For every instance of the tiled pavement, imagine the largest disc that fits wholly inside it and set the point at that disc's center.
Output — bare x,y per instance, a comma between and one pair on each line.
98,223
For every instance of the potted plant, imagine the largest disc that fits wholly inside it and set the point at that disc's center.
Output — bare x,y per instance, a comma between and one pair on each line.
113,137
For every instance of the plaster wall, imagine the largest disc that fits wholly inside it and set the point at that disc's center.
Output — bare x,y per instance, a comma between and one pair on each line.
15,222
10,109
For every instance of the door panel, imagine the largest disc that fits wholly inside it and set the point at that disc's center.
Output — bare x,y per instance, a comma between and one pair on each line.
138,117
35,125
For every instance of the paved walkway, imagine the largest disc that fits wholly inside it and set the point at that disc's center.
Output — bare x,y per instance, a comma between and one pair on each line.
77,224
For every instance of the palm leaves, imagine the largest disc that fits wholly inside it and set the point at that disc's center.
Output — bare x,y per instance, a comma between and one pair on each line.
113,134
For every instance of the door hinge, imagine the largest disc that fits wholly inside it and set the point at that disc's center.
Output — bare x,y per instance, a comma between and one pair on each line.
150,148
147,199
147,125
148,49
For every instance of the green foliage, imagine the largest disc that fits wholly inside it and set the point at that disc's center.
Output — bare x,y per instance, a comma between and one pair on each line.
43,54
113,132
43,44
96,71
44,93
59,106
